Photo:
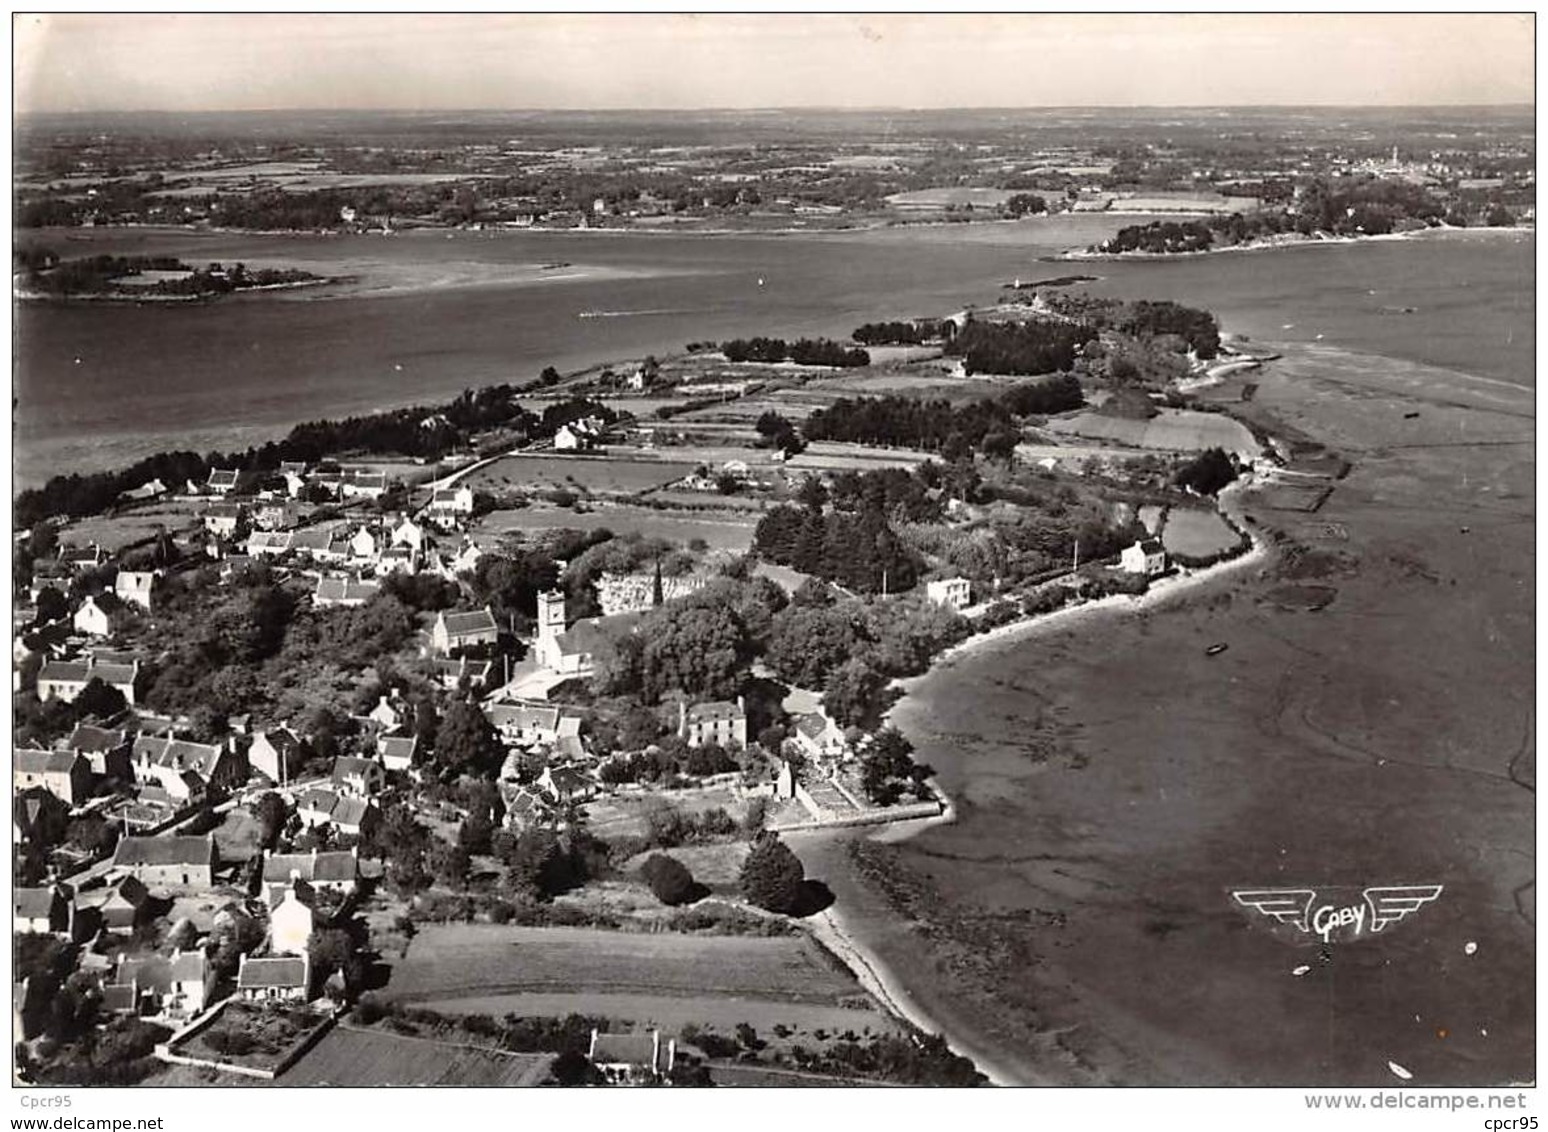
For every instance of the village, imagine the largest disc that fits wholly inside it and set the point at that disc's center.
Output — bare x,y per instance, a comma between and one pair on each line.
328,719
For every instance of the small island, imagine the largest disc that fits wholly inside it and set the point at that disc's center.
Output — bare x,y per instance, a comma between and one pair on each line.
40,274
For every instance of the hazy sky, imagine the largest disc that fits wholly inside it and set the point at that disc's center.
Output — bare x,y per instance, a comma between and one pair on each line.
254,62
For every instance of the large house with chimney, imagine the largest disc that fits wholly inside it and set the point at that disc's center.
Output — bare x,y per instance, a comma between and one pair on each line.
168,862
64,774
454,632
66,679
181,767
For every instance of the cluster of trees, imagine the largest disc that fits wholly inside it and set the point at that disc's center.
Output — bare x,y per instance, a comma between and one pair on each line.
898,333
773,877
1026,204
887,768
1161,237
698,646
919,1059
988,425
670,880
851,649
776,431
1207,472
1199,328
805,351
1369,206
858,550
1034,347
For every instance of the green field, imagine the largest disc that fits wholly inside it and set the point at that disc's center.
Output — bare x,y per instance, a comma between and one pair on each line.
455,962
721,532
1196,533
355,1057
601,476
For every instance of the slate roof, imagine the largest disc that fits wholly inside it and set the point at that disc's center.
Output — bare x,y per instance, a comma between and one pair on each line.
179,754
522,716
348,766
715,710
223,477
165,851
278,971
30,760
624,1049
34,903
469,622
397,746
345,589
1152,546
82,671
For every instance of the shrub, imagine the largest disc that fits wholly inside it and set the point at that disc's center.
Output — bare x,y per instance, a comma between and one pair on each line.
772,876
669,879
369,1010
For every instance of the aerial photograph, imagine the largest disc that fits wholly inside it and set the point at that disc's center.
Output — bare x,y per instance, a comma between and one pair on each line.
778,550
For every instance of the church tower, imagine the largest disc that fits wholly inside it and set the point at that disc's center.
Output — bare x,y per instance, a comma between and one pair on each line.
550,613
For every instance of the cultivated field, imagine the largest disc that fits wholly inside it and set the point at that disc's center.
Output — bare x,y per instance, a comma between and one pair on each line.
1196,532
114,532
355,1057
452,962
579,473
722,532
623,814
1176,430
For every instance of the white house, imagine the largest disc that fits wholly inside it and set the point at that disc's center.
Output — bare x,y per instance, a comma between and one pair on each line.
92,619
957,593
452,501
357,776
223,518
410,534
1146,557
277,753
222,480
290,917
364,544
358,484
818,735
397,751
632,1059
135,586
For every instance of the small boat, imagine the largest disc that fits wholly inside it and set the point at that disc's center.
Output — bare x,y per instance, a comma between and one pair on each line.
1216,649
1410,416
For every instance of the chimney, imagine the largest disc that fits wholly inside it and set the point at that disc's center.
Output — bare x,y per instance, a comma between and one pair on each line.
682,719
741,704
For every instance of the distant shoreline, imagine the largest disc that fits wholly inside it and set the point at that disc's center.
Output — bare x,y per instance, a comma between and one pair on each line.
1277,243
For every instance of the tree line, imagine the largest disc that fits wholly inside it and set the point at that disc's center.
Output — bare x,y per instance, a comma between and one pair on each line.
804,351
1035,347
940,426
427,432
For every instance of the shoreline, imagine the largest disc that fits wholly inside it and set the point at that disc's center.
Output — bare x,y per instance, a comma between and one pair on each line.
830,928
1280,243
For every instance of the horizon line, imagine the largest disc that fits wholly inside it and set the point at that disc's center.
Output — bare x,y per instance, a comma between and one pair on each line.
790,108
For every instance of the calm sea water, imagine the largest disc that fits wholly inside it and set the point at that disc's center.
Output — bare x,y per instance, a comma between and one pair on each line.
97,386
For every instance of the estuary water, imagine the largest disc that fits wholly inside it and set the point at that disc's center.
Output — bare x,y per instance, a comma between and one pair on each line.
427,314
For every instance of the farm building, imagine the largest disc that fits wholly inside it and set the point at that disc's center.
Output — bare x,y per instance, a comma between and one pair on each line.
106,750
277,753
134,587
92,620
396,751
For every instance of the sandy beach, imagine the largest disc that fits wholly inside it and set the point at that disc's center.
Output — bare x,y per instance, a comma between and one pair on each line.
1073,924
